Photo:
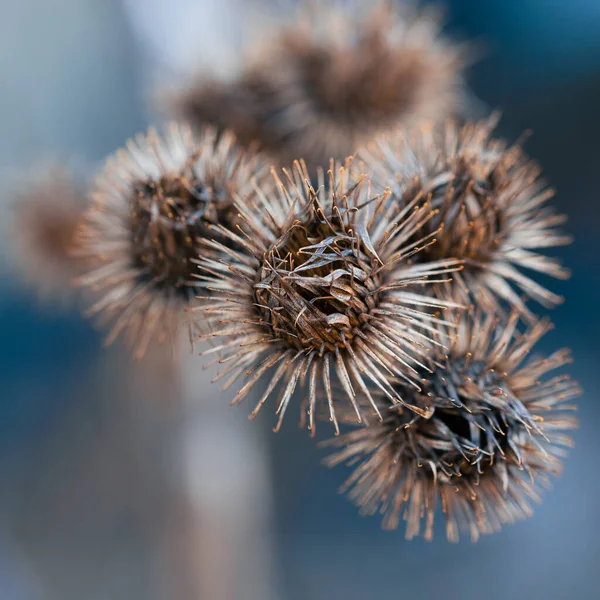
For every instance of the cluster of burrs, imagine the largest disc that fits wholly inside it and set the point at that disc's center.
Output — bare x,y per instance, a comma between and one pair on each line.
329,245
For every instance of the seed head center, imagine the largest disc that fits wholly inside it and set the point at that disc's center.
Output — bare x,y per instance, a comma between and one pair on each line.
317,287
167,218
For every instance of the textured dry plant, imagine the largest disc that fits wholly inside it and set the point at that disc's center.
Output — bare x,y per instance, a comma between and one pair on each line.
493,428
43,227
153,205
332,80
384,293
320,284
491,204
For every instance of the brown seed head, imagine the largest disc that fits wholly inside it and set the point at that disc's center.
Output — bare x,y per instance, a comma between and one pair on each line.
492,208
332,80
154,205
43,232
321,286
492,430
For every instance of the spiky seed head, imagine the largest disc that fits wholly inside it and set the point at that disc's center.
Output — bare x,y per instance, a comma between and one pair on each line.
493,429
320,292
492,206
154,204
333,79
42,229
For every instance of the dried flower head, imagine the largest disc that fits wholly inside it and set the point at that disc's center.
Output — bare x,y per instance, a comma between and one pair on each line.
154,204
492,207
493,431
43,232
333,79
321,286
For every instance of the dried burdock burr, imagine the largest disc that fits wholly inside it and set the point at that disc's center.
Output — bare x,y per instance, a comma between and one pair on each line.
494,428
153,205
42,231
316,292
334,78
492,205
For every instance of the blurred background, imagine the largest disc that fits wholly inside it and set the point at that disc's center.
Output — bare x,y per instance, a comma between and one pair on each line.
106,492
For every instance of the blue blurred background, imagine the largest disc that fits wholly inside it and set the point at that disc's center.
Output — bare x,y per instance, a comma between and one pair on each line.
86,510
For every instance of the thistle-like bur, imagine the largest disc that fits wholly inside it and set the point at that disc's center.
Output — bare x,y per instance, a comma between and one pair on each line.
493,430
316,292
45,218
492,206
332,80
153,206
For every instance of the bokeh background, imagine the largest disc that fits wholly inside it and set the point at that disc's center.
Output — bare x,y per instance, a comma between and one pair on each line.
100,499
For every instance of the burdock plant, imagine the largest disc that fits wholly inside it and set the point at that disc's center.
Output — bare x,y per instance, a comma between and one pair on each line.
153,205
350,289
491,206
321,286
46,214
332,79
492,428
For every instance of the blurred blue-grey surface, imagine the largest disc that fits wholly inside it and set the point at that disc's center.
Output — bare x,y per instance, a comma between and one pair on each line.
72,84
